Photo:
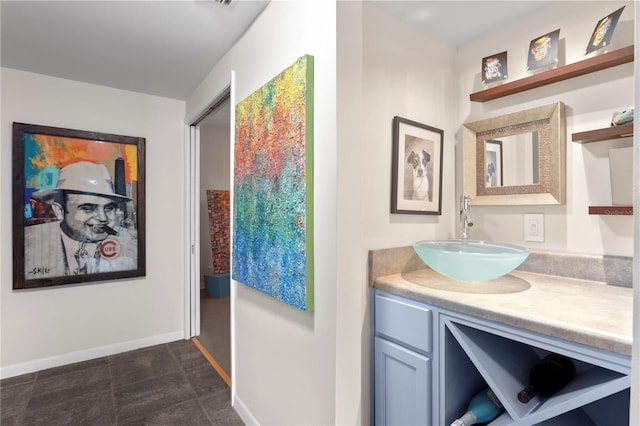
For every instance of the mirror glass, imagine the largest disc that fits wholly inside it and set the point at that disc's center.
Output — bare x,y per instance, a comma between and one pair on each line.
517,158
513,160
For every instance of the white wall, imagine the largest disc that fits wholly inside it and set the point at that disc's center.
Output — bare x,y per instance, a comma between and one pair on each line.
54,326
589,101
386,68
214,174
635,369
285,359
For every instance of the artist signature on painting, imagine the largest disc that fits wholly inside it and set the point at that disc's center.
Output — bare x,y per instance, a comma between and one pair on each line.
39,270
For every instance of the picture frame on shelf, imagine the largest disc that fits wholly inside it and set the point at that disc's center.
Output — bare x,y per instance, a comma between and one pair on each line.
416,178
494,68
78,206
543,52
493,163
603,32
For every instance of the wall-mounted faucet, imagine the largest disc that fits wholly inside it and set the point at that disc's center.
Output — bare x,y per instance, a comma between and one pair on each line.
465,217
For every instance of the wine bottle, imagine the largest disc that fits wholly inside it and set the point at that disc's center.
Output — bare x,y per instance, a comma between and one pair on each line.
547,377
483,408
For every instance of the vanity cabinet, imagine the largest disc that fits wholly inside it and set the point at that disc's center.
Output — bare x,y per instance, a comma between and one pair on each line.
432,385
403,360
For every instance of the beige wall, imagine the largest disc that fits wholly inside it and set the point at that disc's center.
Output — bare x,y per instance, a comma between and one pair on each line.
589,103
53,326
386,68
284,363
293,367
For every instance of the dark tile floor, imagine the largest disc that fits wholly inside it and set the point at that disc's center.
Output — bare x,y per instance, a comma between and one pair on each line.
170,384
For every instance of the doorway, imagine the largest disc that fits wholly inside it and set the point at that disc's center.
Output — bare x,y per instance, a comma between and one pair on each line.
210,298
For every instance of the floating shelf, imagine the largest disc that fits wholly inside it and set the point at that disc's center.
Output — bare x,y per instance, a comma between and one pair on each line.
608,133
576,69
611,210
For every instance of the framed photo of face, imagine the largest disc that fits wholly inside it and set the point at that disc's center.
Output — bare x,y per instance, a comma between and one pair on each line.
543,51
495,68
603,31
416,177
78,206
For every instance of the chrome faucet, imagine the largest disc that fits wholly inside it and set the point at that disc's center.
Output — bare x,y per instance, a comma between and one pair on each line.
465,217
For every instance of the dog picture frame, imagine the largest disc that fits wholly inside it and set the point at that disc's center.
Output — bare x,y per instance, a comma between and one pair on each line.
78,206
493,163
416,177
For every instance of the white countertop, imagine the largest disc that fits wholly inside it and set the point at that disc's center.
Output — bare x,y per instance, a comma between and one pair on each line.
587,312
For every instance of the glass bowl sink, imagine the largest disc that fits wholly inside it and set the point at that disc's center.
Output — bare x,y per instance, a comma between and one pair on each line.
470,260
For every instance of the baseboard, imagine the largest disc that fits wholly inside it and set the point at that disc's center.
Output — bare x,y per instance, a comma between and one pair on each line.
243,411
87,354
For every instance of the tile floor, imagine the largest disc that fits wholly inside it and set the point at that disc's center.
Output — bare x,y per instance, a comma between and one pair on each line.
169,384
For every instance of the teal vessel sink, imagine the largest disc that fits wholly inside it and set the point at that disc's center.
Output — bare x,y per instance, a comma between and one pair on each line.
470,260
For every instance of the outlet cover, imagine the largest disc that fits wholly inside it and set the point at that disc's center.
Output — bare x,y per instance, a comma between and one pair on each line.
534,227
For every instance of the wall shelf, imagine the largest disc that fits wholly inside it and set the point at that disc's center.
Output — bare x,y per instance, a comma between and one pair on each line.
611,210
576,69
607,133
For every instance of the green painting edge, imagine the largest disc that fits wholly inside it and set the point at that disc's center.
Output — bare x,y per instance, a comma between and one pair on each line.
309,179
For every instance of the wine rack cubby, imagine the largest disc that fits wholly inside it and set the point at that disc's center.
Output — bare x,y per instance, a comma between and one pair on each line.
479,354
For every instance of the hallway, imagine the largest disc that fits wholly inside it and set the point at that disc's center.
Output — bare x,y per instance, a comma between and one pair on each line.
168,384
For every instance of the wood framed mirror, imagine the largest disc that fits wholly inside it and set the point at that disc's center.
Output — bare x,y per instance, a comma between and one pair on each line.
516,158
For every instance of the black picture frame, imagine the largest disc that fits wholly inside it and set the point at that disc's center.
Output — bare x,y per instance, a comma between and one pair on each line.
603,31
78,201
543,51
495,68
493,163
416,177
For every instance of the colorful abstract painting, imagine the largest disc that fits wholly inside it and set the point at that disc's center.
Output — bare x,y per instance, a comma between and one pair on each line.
273,188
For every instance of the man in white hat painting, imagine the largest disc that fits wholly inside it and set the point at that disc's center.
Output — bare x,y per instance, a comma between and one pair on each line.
86,238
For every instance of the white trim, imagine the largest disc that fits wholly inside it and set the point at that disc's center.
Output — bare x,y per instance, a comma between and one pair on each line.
232,310
243,411
195,229
88,354
187,233
192,278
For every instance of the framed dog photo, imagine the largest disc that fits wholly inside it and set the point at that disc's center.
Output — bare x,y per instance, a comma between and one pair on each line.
78,206
416,177
493,163
543,52
603,31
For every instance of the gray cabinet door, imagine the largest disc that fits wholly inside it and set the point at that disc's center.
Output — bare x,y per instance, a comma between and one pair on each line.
402,385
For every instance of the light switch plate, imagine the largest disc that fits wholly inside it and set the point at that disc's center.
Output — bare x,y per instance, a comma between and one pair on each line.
534,227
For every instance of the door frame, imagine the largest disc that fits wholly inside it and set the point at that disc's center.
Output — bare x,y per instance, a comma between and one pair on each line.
226,88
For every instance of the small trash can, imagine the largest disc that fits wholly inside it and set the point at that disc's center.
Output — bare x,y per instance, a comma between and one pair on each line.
216,285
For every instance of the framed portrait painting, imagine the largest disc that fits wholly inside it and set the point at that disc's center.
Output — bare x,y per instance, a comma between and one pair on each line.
416,177
78,206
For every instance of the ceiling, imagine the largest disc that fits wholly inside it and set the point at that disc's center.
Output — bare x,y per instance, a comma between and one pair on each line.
166,48
461,21
163,48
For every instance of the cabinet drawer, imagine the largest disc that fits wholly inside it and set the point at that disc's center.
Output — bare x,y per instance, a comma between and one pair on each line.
404,322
